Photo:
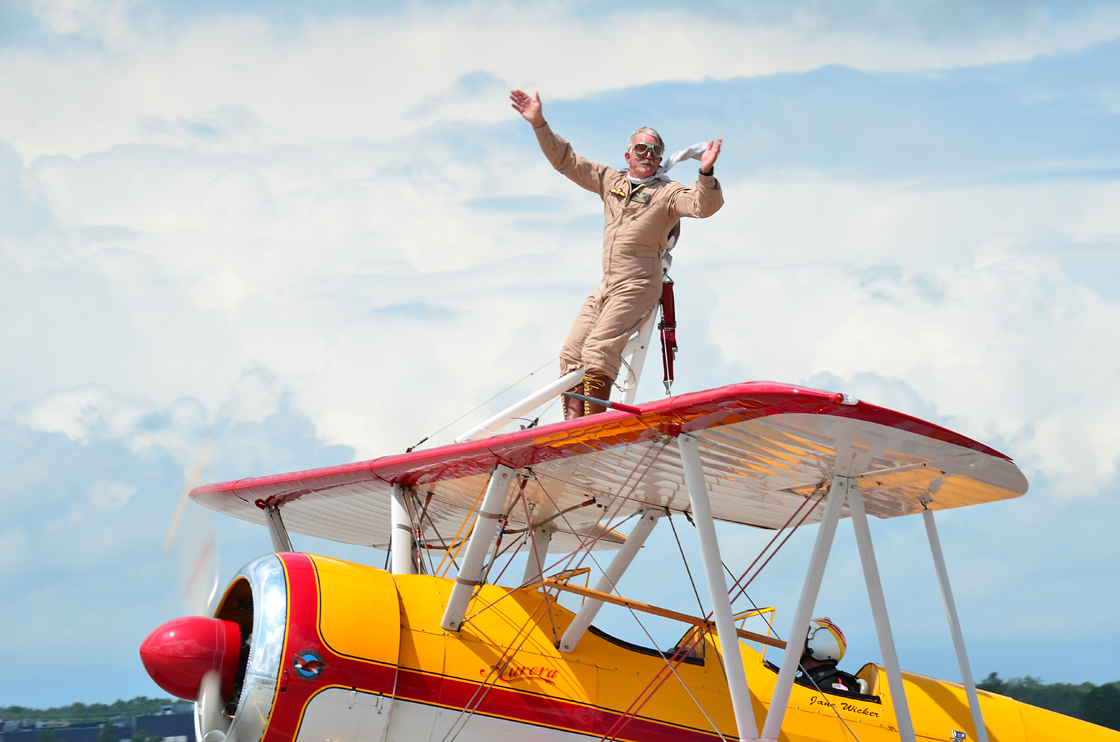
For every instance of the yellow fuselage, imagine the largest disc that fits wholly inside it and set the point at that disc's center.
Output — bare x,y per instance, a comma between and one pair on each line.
380,634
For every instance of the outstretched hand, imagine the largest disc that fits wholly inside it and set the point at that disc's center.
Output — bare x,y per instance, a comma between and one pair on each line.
529,108
711,154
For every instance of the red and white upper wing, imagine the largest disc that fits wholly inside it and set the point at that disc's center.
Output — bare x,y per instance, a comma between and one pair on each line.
765,447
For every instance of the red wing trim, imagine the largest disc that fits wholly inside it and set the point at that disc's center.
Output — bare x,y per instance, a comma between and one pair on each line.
673,416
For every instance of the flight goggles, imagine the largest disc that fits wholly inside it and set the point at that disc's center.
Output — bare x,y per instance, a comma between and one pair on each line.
641,149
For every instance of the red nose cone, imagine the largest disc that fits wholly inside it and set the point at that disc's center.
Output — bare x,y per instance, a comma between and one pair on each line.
179,653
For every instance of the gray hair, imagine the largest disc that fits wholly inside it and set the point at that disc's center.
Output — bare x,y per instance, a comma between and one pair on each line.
646,130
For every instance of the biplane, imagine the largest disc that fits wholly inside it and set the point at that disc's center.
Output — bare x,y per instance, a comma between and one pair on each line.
306,648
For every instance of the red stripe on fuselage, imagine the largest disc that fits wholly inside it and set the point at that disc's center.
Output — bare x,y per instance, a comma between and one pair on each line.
431,689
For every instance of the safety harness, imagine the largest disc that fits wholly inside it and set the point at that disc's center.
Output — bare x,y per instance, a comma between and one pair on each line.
668,328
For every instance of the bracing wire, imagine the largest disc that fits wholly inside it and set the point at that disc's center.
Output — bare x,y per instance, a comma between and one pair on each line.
743,585
586,548
524,583
520,542
828,701
754,606
772,540
540,567
684,560
470,511
502,531
642,626
646,695
627,487
476,409
496,673
587,545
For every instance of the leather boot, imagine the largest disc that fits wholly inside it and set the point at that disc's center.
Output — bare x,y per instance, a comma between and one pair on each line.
598,385
573,407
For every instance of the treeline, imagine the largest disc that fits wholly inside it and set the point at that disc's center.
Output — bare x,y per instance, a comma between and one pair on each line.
80,713
108,733
1099,704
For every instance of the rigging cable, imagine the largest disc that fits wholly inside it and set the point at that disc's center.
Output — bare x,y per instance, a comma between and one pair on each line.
469,412
470,511
446,548
645,631
743,586
754,607
617,504
495,672
586,547
691,639
421,545
684,560
828,701
742,591
631,713
775,538
565,511
503,521
520,542
540,567
525,583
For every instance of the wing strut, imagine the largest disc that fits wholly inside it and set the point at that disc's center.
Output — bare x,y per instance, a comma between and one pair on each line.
647,519
812,585
276,530
717,588
481,535
489,427
401,537
879,610
637,348
538,553
954,623
843,488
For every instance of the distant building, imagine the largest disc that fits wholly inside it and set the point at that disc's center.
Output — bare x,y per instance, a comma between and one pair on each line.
174,723
177,708
166,726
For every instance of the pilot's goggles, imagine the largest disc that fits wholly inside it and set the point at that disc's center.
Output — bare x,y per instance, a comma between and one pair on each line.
642,149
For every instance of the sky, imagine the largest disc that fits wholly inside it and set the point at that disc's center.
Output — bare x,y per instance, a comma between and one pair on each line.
316,235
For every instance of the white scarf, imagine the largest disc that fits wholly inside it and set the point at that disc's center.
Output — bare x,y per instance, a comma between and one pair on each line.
695,152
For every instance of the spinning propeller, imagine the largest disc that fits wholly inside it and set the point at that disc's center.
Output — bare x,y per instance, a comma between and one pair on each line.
196,657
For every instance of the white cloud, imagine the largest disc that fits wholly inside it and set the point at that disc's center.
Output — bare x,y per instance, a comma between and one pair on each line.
324,275
236,232
78,412
110,495
954,291
96,412
106,21
235,79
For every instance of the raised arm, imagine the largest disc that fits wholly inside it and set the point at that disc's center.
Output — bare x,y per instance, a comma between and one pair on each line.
706,197
529,108
707,160
579,170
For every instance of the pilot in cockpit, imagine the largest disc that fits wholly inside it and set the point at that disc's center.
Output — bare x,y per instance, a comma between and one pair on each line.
824,648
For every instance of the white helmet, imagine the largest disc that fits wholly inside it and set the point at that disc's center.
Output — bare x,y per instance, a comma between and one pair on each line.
825,640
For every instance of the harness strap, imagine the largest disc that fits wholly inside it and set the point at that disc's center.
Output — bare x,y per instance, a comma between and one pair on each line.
668,328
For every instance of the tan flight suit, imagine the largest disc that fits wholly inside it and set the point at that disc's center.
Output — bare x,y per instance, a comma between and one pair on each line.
638,222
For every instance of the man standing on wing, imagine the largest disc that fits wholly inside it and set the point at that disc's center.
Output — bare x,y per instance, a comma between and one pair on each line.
642,210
